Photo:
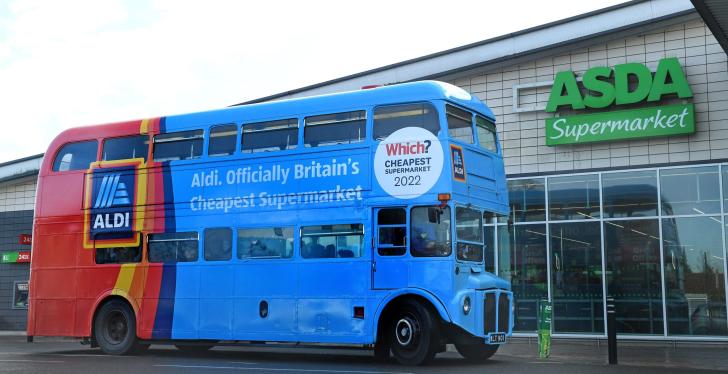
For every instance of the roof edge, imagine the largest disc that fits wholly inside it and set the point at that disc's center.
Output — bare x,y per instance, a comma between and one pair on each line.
460,48
6,163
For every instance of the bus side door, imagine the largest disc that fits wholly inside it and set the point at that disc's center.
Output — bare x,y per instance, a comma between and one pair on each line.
389,265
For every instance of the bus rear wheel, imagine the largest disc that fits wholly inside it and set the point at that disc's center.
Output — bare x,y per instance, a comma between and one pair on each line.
115,329
413,334
476,352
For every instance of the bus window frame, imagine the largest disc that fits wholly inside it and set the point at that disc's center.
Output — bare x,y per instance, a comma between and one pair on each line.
472,124
241,133
368,125
373,109
294,253
411,230
58,150
199,259
364,251
495,134
203,151
104,140
142,249
207,138
458,240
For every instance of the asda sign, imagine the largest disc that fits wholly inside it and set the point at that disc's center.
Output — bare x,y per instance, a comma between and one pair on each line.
650,121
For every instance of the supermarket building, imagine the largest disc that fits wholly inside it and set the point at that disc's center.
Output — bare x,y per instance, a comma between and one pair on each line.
614,130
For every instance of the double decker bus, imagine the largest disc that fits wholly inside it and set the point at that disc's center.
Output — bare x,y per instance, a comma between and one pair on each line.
352,218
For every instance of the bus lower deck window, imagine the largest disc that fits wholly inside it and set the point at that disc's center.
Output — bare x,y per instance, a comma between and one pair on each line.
469,232
218,244
118,255
173,247
332,241
265,242
390,118
430,231
392,232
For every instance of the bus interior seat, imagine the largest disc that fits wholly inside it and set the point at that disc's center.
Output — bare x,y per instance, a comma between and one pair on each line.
346,253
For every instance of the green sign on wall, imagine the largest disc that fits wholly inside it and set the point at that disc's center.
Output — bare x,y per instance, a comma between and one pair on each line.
620,124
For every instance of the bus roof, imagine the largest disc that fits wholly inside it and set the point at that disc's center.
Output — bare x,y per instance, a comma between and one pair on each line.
344,101
291,108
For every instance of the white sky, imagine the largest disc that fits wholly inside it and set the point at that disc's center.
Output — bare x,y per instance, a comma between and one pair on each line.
79,62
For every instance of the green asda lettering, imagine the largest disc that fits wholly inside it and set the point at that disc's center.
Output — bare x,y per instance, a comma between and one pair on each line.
669,79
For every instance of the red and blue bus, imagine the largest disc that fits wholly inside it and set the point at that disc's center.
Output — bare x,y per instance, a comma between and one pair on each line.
349,219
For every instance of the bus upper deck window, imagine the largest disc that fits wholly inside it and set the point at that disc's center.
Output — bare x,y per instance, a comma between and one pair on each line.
76,156
181,145
269,136
460,124
388,119
486,134
430,231
222,140
339,128
126,148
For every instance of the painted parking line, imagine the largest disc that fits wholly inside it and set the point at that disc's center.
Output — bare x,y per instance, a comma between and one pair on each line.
297,370
34,361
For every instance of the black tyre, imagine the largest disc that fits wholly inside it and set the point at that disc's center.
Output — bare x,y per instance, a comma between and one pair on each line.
115,329
194,348
381,351
413,334
476,352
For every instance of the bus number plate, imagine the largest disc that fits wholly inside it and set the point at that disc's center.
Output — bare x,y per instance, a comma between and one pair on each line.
496,338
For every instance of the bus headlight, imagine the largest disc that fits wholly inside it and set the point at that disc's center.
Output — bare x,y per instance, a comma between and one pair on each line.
466,305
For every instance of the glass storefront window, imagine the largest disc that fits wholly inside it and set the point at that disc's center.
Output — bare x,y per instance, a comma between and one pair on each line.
629,194
694,276
528,200
525,266
633,274
576,276
574,197
690,190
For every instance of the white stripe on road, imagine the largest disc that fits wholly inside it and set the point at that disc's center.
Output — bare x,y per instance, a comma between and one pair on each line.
281,369
37,361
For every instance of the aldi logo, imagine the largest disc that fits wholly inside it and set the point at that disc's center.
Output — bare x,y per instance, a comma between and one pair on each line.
114,195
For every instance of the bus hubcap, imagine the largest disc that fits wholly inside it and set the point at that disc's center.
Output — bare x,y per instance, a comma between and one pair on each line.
116,327
405,331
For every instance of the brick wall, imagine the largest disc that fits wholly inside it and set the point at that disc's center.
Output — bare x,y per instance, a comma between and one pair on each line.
522,133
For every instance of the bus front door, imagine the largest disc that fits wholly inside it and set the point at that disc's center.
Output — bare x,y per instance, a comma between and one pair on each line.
390,265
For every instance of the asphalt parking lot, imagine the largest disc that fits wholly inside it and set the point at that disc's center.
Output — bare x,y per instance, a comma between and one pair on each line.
519,356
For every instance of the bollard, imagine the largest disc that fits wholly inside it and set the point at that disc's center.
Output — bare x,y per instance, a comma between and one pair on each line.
612,331
544,328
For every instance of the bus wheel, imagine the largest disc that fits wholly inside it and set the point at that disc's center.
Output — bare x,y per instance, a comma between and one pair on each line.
194,348
115,329
413,334
476,352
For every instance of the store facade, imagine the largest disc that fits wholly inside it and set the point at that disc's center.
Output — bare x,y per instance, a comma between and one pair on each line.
614,130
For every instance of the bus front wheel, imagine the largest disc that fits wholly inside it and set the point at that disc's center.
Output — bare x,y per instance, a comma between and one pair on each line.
115,329
413,334
476,352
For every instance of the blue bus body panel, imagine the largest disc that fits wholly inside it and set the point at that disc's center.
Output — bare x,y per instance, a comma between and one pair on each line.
311,300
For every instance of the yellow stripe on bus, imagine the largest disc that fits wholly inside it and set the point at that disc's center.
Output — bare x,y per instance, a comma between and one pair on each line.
126,275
